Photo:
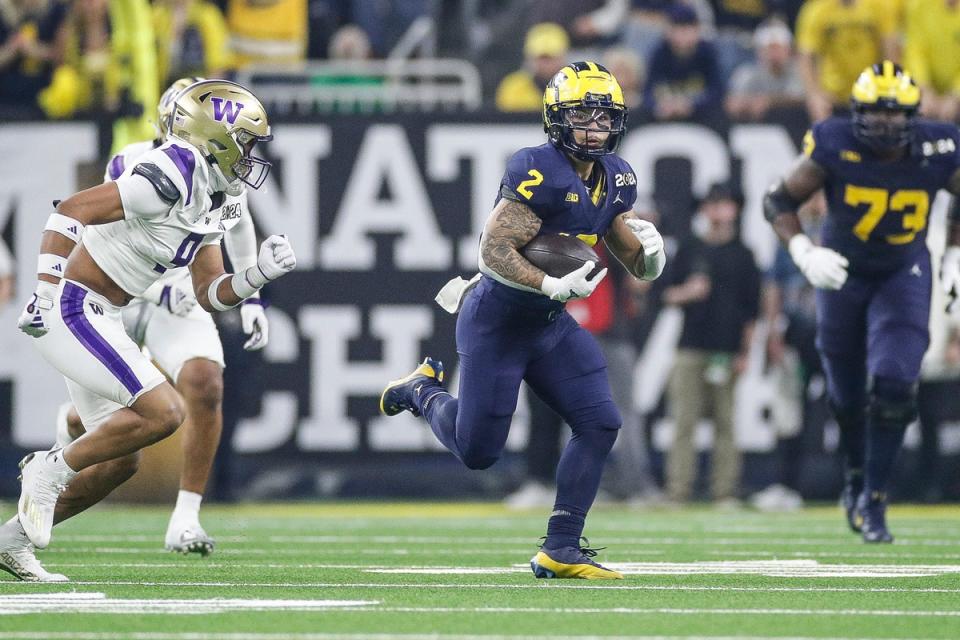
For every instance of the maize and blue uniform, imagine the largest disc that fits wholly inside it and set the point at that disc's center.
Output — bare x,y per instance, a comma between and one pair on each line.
875,327
506,335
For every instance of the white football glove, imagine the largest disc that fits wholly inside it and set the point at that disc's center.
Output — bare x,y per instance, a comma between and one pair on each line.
573,285
654,257
274,260
824,268
32,320
254,321
178,298
950,277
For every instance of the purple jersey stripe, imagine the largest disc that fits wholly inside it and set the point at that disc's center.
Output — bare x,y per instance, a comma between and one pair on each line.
116,167
185,163
71,309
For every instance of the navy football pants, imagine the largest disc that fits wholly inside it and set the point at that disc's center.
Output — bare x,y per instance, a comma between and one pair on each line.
874,327
500,344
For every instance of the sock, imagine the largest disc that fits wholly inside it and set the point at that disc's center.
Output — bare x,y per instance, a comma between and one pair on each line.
578,479
853,427
439,408
882,448
564,527
188,505
59,465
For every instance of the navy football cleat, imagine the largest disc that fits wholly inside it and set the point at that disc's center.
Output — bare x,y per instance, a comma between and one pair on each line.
873,511
400,394
851,492
571,562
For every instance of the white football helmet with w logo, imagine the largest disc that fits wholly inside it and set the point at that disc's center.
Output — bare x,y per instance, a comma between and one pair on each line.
224,120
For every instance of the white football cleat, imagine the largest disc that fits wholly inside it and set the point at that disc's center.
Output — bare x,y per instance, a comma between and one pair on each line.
41,487
17,558
188,538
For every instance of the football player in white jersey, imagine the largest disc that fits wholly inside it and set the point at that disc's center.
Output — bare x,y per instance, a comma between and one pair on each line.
162,213
183,340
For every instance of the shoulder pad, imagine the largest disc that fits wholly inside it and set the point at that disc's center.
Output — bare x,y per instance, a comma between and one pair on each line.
162,184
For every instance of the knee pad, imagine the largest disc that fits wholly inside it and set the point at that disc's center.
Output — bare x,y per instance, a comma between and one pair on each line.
893,403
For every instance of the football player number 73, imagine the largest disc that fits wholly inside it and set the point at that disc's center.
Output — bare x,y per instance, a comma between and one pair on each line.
913,203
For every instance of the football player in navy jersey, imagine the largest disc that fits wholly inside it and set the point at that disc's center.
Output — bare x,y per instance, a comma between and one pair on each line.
512,325
880,170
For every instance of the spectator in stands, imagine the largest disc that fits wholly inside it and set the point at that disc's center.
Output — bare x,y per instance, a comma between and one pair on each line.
773,81
87,79
192,40
793,364
387,22
589,22
836,40
109,68
544,52
717,284
628,68
350,42
31,46
267,32
684,78
932,54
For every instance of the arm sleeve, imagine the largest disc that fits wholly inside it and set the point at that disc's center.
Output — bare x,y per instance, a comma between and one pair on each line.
140,198
241,243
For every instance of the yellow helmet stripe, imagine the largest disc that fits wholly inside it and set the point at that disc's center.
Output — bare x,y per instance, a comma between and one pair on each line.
888,71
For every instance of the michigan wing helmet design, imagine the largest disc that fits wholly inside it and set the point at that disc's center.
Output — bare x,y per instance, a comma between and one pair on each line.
884,87
224,120
579,95
165,106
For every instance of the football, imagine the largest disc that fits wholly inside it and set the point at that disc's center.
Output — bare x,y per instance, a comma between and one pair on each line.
559,254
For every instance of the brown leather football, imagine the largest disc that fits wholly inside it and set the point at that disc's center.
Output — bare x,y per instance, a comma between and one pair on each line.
559,254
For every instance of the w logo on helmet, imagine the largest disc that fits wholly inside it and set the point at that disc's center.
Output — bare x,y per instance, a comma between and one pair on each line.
226,108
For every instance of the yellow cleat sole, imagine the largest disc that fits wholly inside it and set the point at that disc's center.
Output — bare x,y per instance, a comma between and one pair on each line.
579,571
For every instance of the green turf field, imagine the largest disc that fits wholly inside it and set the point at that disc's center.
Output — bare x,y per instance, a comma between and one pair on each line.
371,570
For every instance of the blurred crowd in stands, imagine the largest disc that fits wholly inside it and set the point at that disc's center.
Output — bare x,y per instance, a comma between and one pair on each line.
677,59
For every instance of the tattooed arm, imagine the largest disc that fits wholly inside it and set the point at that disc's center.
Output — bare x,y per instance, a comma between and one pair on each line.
511,225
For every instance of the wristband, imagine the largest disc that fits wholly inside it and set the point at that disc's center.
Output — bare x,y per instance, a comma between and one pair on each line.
242,286
66,226
51,264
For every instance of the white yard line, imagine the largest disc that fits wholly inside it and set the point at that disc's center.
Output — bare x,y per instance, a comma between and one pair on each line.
192,635
86,603
467,586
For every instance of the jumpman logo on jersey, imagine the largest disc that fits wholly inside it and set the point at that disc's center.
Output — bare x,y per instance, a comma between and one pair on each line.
915,271
619,198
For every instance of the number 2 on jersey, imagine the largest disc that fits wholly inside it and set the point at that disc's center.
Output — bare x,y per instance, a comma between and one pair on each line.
524,187
913,203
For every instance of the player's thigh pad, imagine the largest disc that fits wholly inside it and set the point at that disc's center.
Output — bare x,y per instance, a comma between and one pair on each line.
898,324
92,408
572,379
173,340
87,343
